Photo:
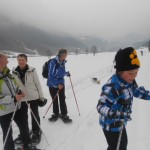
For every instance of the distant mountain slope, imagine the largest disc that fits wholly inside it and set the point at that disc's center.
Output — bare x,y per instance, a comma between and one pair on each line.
21,37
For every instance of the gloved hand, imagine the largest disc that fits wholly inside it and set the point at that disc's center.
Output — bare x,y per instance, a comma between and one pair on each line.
42,102
118,115
68,74
123,115
60,86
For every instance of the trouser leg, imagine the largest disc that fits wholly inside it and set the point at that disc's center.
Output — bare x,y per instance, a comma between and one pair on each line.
53,92
34,108
112,140
62,101
5,123
23,128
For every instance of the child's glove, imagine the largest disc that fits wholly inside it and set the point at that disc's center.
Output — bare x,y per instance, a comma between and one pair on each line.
68,74
118,114
42,102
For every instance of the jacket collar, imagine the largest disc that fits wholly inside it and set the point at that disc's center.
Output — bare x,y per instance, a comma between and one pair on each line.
29,69
6,71
18,69
125,82
58,60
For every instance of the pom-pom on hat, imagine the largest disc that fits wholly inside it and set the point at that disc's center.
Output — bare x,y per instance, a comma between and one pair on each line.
126,59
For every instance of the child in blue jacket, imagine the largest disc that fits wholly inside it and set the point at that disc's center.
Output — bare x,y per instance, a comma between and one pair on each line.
115,103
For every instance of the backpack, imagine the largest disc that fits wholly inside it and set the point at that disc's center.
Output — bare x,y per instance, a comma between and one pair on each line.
45,68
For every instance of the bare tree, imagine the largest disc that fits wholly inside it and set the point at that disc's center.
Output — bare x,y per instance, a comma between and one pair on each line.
94,50
149,46
77,51
87,51
49,53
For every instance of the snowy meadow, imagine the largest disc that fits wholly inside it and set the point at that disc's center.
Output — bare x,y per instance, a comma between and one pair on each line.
85,132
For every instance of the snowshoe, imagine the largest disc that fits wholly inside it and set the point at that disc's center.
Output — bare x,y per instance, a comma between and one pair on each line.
18,140
36,137
65,118
54,118
33,148
29,147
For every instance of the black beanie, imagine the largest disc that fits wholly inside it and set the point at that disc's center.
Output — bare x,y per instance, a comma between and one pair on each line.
62,51
126,59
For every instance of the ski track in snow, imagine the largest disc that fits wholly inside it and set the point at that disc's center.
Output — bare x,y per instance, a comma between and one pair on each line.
85,133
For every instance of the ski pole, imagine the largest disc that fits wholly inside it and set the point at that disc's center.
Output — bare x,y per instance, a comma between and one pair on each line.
37,122
120,135
51,103
74,95
12,118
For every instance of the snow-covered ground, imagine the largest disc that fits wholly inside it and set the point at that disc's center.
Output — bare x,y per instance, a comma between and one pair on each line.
85,133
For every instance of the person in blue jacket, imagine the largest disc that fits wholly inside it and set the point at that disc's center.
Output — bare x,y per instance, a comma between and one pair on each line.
115,103
56,85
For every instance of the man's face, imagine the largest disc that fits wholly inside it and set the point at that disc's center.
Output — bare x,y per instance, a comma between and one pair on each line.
63,57
22,62
129,76
3,62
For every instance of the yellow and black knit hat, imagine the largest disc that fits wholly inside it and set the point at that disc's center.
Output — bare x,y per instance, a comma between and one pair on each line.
126,59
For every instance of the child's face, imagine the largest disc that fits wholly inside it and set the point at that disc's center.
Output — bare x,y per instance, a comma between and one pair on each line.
129,75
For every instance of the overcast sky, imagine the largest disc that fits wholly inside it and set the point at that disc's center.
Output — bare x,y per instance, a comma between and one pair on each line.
104,18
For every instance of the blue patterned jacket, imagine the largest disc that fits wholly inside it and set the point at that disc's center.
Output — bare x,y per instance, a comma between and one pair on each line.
117,90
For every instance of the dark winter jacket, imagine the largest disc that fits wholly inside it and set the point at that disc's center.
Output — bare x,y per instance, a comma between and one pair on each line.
56,72
117,96
22,73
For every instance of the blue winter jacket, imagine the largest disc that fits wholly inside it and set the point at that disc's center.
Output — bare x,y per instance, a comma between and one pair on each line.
56,72
117,90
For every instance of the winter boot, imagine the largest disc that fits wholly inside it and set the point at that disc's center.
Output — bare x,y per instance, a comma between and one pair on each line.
30,147
65,118
36,137
18,140
54,117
